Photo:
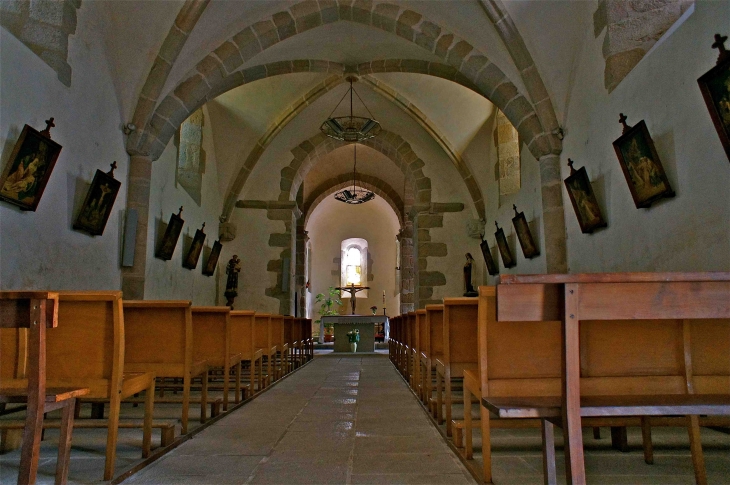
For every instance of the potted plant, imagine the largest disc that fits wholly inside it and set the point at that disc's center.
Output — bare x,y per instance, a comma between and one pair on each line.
327,302
353,336
373,309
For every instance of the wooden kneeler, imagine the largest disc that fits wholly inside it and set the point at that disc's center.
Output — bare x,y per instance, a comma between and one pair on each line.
34,311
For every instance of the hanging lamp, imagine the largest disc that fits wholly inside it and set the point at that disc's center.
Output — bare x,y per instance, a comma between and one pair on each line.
350,128
354,195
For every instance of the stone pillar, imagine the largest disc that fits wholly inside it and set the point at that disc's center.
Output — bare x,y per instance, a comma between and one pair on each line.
138,197
553,216
407,268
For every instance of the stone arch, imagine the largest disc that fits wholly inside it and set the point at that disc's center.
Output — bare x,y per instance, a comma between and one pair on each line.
369,182
390,144
219,70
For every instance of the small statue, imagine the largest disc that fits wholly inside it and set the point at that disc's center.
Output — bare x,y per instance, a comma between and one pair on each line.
468,288
232,269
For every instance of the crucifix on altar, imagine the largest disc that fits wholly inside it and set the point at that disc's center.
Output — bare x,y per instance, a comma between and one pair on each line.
352,290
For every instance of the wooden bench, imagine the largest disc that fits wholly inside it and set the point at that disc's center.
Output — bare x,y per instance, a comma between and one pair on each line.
242,342
394,342
212,343
434,347
410,346
24,318
460,347
289,341
662,351
159,338
87,351
279,348
262,342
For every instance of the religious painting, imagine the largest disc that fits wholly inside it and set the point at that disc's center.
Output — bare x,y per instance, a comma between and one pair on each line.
492,266
212,261
169,240
715,87
30,165
641,165
529,248
507,259
584,200
98,203
191,260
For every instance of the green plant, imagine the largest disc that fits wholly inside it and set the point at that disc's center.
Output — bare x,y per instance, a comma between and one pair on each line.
327,302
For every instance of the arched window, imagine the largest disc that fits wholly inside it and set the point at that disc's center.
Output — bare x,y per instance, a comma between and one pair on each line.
353,266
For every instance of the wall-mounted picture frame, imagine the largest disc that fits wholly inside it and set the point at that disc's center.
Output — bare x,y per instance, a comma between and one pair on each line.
715,87
584,200
212,261
492,266
98,203
169,239
507,259
640,163
196,247
527,243
30,165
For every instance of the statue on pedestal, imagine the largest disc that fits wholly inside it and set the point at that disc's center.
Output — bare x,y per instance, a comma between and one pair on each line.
232,269
468,288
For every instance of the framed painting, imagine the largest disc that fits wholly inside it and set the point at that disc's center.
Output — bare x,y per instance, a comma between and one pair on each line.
584,200
640,163
98,203
492,267
507,259
212,262
169,239
529,248
715,87
30,165
191,260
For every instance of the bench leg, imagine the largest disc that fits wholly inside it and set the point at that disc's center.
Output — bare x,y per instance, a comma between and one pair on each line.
619,439
447,385
149,403
695,445
468,448
204,397
226,378
64,442
30,452
486,444
111,435
548,453
238,382
439,399
186,402
596,433
646,440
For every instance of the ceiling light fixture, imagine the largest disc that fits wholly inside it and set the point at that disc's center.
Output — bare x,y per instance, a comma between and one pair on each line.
354,195
351,128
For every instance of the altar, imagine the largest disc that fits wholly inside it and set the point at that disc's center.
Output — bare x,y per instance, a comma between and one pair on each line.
364,323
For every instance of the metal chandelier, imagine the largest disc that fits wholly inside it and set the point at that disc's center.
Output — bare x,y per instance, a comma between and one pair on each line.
354,195
351,128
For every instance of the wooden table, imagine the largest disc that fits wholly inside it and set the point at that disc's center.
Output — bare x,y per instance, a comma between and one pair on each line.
610,296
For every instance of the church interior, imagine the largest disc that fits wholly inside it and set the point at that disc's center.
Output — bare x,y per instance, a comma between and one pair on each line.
365,241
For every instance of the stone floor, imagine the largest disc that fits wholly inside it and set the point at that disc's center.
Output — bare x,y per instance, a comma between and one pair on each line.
341,419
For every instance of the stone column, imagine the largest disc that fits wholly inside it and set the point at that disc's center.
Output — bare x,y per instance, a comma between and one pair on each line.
553,216
407,267
138,197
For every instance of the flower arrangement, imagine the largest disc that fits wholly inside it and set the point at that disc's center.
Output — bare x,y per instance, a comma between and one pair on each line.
373,309
353,336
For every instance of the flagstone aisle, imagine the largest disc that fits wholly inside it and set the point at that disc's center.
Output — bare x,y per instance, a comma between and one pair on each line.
338,420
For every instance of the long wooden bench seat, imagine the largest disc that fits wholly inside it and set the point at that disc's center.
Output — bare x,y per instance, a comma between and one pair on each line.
639,343
24,318
279,348
262,342
159,338
242,342
212,343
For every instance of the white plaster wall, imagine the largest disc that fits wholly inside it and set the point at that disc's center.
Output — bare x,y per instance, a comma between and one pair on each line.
690,232
39,250
331,223
168,280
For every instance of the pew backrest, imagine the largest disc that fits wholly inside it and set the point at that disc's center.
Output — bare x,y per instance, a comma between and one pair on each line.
460,334
435,324
277,331
262,333
211,327
158,332
242,333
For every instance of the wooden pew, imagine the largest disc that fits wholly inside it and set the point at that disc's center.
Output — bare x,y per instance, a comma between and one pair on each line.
308,340
460,346
24,317
243,343
212,343
159,338
420,331
662,351
434,352
262,342
392,341
289,323
410,349
279,348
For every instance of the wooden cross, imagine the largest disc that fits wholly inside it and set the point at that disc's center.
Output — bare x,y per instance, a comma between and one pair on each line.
514,207
180,212
202,228
720,45
113,166
622,119
497,225
570,164
47,131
